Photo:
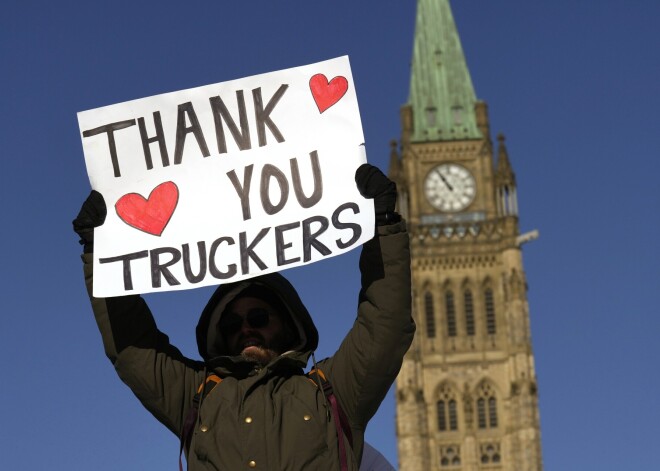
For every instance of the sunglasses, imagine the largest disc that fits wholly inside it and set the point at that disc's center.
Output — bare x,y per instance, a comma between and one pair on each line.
230,323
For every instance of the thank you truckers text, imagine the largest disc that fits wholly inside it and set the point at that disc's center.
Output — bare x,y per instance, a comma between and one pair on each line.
227,181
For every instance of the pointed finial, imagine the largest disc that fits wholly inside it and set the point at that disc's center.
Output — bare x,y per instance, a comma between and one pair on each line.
504,170
394,170
501,149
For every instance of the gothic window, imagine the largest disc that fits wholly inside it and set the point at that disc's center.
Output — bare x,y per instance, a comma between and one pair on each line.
451,314
508,200
486,407
490,453
492,412
450,456
453,417
430,315
481,412
442,416
447,410
490,311
469,312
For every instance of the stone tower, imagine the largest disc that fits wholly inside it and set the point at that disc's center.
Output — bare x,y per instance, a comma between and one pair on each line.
467,393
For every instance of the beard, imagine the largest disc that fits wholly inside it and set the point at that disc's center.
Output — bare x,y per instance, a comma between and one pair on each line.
264,353
259,354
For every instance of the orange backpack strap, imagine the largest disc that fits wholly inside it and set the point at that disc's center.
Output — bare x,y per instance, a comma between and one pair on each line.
203,390
338,416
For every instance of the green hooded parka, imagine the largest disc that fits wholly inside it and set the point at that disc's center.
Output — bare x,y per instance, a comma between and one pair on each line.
271,417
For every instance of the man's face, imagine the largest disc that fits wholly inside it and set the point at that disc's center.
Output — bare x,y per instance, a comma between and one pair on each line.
253,329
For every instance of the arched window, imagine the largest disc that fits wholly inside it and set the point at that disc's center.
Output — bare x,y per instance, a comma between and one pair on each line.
451,314
490,453
450,456
469,312
486,407
453,417
481,412
447,410
430,315
442,415
490,311
492,412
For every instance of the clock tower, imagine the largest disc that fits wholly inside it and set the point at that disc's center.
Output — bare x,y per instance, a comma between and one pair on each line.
467,393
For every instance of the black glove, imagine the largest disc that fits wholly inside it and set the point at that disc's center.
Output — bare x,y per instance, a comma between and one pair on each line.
92,214
372,183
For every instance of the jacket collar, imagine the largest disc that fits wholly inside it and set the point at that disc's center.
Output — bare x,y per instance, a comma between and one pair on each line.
239,367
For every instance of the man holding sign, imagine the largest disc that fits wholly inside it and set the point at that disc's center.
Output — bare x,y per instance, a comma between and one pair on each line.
256,336
229,184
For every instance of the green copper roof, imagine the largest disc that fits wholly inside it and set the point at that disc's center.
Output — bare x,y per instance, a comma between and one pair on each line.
441,91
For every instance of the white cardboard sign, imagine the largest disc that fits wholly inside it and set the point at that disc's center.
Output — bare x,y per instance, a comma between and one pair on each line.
227,181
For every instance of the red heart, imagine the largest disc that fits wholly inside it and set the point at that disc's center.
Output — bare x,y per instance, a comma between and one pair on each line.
150,215
327,93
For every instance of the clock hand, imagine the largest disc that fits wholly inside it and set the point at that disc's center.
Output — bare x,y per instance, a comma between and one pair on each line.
442,177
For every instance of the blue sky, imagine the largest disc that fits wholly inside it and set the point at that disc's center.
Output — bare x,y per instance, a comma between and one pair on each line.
572,84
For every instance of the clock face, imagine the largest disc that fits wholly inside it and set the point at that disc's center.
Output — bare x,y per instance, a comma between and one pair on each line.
450,187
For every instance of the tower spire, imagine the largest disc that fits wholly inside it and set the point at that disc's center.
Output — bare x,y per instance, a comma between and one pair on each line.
442,97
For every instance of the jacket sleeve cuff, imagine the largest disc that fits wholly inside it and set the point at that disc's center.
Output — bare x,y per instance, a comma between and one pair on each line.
391,229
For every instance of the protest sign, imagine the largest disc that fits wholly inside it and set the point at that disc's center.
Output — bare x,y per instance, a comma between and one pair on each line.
227,181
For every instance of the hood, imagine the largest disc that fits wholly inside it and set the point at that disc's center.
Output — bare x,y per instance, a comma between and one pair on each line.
211,344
